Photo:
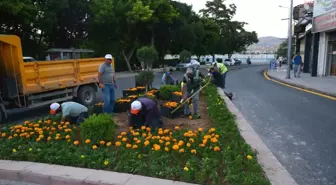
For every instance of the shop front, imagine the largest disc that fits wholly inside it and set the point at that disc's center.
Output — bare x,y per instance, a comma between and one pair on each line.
331,54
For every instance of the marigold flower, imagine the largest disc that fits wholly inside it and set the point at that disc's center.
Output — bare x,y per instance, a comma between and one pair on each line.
146,143
200,129
186,169
123,133
76,143
176,147
102,142
106,163
128,146
181,150
135,146
87,141
94,147
124,139
108,144
214,140
188,145
193,151
118,143
67,137
166,149
216,149
249,157
156,147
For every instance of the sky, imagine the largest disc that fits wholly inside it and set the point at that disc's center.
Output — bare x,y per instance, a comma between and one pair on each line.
262,16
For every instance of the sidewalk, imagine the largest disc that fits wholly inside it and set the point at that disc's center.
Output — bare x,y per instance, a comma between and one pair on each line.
324,85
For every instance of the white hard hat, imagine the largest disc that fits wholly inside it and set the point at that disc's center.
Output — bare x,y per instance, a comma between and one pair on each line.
135,107
108,56
54,106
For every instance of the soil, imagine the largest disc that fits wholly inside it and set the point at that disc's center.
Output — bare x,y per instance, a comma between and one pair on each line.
121,119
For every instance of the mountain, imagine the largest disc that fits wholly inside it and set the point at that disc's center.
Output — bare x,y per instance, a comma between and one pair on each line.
266,44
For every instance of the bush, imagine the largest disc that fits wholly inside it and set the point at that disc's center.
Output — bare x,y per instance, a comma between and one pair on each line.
219,60
185,55
144,78
97,128
147,54
166,91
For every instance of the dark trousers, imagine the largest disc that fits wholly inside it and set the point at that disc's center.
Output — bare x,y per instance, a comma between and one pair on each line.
223,80
78,119
151,120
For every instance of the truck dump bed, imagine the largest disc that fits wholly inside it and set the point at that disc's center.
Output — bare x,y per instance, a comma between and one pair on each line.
35,77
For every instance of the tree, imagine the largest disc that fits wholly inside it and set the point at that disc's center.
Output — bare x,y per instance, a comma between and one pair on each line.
283,49
185,55
147,55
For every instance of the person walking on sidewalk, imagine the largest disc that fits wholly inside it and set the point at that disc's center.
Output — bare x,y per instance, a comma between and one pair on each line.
107,82
222,69
296,65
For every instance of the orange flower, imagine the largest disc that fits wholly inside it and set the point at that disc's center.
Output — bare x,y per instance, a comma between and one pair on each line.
118,143
87,141
216,149
108,144
102,142
123,100
176,147
156,147
76,143
94,147
177,93
170,104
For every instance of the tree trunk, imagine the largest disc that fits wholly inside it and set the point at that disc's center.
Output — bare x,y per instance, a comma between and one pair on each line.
128,57
153,38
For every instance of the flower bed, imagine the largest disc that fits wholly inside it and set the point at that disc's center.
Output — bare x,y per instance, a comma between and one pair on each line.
216,156
122,105
129,92
167,107
176,96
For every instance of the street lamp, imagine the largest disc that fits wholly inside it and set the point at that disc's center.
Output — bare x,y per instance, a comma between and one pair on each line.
289,46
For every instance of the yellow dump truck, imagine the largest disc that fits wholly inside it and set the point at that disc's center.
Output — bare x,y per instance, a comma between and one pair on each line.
40,83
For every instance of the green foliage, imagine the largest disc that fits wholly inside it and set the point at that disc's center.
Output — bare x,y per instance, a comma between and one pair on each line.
98,127
145,78
219,60
185,55
167,90
147,54
283,49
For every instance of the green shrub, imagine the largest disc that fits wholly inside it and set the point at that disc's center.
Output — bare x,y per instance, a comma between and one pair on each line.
98,127
167,90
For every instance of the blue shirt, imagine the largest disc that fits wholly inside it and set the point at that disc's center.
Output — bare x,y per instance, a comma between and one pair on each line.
297,60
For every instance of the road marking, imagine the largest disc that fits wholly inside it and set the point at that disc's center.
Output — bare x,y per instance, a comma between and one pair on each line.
299,88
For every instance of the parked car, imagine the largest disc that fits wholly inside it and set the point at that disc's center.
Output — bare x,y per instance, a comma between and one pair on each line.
229,62
184,65
29,59
237,61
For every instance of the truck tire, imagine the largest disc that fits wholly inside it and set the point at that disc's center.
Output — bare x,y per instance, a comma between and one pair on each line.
86,95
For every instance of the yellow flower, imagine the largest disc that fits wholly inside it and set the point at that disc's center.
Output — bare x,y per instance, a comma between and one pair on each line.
108,144
124,139
166,149
128,146
102,142
4,135
193,151
123,133
148,129
180,143
118,143
143,128
94,147
214,140
87,141
14,150
167,138
192,140
106,163
249,157
119,137
200,129
67,137
177,127
188,145
181,150
167,143
212,130
186,169
135,146
146,143
76,143
38,139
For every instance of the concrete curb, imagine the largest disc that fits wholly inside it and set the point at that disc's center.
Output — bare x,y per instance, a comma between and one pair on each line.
300,86
46,174
275,172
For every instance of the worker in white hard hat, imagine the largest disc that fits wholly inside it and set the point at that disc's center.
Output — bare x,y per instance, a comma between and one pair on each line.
191,83
106,78
73,112
144,112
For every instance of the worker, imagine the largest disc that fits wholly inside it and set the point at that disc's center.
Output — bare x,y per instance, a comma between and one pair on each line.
191,84
73,112
144,112
216,77
167,78
222,69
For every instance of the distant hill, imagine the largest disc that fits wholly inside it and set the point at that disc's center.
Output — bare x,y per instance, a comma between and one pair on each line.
270,41
266,44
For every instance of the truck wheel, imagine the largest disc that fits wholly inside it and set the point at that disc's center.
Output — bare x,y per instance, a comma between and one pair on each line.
86,95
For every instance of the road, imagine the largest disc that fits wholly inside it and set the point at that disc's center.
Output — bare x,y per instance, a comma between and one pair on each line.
298,127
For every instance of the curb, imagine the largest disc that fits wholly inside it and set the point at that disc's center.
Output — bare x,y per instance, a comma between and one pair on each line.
300,87
46,174
275,172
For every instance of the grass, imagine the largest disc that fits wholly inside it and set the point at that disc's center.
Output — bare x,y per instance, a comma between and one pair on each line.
216,156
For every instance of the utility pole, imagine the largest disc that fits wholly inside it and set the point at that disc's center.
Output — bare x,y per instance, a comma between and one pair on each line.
290,30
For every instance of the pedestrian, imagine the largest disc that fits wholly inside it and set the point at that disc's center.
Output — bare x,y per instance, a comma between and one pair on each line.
216,77
222,69
297,65
73,112
144,112
107,82
191,84
167,78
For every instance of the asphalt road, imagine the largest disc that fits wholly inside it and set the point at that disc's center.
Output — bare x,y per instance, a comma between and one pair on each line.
298,127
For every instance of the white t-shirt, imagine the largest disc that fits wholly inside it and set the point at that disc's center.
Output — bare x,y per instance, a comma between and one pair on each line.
72,109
